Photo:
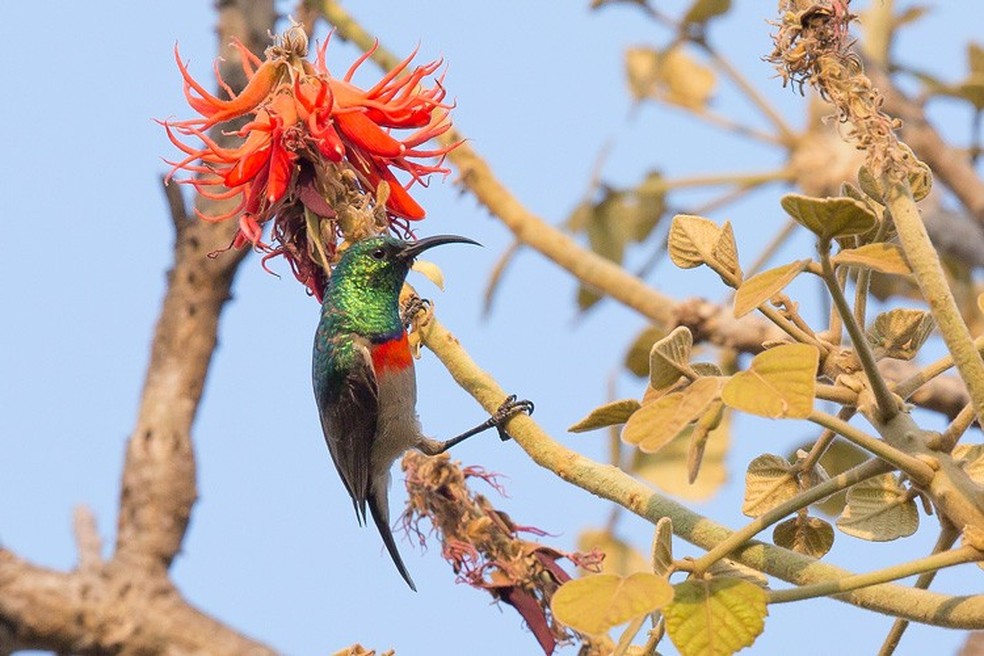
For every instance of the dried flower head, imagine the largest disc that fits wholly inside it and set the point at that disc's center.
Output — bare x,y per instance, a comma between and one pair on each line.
318,154
484,545
812,46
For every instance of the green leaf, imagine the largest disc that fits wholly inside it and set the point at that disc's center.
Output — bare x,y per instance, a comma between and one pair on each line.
663,546
651,201
669,358
830,217
732,569
715,617
653,425
595,604
780,382
769,481
762,286
900,333
702,11
637,358
804,534
840,456
692,240
608,227
610,414
880,257
671,76
879,509
971,458
707,422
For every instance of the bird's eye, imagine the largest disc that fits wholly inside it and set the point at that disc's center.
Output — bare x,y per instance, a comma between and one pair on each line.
378,254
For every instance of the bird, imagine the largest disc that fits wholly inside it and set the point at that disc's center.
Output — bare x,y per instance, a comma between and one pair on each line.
363,375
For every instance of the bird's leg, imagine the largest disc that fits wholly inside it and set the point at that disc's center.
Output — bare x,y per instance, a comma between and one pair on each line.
411,308
509,407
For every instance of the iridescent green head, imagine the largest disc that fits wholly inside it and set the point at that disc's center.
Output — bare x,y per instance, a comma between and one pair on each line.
366,282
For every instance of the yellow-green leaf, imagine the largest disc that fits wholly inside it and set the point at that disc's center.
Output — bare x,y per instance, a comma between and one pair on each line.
668,470
663,546
692,240
780,382
715,617
919,174
702,11
804,534
879,509
653,425
726,255
669,358
900,333
637,358
595,604
880,257
610,414
769,481
829,217
732,569
762,286
707,422
971,458
621,558
430,271
840,456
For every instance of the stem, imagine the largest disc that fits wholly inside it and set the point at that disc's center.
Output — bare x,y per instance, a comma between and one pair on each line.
802,500
957,428
908,387
918,470
727,123
965,554
887,405
925,263
947,537
625,640
823,442
738,179
786,133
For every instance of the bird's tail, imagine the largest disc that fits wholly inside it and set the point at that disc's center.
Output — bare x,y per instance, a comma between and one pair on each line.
379,509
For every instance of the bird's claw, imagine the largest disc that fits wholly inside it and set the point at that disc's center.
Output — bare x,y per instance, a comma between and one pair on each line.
510,407
411,308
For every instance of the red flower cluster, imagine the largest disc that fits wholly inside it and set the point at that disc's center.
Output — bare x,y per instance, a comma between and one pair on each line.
304,128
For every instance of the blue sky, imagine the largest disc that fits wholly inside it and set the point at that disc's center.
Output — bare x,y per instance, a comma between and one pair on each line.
273,547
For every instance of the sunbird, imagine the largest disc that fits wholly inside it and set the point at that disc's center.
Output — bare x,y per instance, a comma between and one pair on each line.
363,374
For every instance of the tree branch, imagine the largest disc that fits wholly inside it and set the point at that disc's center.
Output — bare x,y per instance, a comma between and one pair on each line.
128,605
609,482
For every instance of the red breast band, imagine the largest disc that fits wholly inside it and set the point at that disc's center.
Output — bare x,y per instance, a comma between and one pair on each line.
391,355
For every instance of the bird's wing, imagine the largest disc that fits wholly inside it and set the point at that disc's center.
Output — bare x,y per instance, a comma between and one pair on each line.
347,398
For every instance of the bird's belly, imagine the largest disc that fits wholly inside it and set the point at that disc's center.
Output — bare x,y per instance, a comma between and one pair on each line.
397,426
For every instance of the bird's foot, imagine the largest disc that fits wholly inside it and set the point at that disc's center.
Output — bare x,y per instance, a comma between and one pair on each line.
413,306
510,407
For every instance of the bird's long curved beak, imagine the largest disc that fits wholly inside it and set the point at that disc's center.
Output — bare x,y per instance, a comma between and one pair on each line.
412,250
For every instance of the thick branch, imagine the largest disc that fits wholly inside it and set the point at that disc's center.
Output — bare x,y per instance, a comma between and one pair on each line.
128,605
159,475
105,611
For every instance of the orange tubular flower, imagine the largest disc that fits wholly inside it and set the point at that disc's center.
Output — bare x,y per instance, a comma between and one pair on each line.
305,127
